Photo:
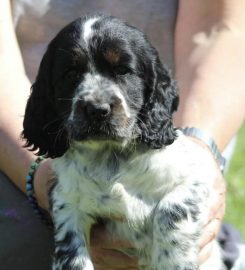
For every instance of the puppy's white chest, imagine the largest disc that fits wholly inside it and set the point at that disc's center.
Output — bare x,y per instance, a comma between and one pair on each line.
106,187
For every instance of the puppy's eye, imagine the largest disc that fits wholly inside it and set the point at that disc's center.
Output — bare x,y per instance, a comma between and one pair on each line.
73,75
121,70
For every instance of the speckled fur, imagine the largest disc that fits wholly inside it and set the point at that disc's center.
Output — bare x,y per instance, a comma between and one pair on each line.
163,196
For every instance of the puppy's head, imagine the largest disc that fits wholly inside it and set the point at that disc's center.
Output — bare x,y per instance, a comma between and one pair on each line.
100,79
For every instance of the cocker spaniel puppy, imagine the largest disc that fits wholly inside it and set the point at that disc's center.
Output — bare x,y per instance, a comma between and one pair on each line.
102,108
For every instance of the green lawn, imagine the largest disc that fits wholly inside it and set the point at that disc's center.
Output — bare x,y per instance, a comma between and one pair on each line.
235,212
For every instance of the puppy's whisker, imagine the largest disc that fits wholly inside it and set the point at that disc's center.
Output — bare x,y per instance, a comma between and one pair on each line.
132,104
140,120
66,99
59,134
78,99
142,114
61,117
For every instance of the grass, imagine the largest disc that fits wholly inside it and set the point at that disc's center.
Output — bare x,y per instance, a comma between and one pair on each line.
235,211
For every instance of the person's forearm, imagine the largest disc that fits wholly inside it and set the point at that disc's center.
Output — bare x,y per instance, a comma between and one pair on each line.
14,159
210,65
14,90
9,49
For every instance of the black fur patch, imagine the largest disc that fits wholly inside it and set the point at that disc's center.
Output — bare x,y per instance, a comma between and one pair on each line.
172,215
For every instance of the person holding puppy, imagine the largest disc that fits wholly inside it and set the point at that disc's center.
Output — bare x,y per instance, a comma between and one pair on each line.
206,41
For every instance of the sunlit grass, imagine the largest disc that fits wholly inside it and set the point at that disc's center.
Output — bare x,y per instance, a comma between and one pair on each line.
235,212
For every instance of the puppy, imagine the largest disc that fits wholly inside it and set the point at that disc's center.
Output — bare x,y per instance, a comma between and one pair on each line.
102,108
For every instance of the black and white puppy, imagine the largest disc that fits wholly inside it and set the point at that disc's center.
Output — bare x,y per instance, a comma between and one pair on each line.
102,108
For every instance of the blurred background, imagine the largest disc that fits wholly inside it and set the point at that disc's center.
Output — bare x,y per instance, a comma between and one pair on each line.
235,207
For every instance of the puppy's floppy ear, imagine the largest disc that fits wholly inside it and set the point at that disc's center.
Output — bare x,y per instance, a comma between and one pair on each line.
42,127
161,100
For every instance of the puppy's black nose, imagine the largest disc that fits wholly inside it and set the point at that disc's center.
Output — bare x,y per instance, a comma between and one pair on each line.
98,111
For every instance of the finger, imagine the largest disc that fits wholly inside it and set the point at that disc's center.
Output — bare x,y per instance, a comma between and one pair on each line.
101,238
217,207
219,212
219,183
210,233
205,253
217,203
112,258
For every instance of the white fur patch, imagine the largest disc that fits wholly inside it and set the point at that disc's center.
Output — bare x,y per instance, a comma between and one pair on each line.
87,29
124,103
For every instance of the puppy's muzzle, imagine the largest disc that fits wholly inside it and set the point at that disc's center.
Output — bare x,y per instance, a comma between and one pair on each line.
93,110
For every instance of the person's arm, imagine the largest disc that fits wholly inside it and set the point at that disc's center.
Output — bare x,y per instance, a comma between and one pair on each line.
15,160
14,90
210,64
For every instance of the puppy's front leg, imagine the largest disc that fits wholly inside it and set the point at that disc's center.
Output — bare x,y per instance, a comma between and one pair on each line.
71,235
177,222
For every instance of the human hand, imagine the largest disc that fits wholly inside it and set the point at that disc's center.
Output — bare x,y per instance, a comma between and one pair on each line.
105,254
216,211
43,180
216,214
